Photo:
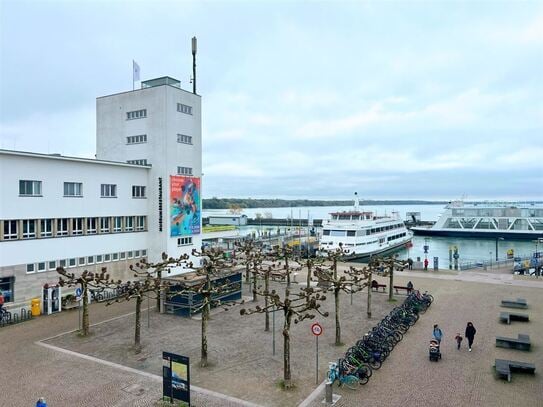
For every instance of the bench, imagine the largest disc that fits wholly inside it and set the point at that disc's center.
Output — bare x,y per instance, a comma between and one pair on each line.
522,343
399,287
504,368
377,286
519,303
507,317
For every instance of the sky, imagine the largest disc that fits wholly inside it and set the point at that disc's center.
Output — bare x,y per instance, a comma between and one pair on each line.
300,99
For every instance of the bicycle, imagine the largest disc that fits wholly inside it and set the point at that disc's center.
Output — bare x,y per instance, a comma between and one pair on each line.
349,380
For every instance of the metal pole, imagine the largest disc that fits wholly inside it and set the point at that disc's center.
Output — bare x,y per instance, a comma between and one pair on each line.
496,249
351,295
273,331
148,312
317,360
194,65
79,311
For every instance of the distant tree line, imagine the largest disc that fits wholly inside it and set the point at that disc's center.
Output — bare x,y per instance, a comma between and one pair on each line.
228,203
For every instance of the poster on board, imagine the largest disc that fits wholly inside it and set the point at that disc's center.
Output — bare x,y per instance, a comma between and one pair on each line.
185,206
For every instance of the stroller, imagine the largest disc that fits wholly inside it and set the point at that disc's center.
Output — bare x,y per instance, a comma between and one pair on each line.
434,351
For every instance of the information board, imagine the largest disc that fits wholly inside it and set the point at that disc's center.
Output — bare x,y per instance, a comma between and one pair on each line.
176,379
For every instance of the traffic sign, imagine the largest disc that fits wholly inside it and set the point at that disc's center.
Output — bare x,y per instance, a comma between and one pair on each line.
316,329
78,292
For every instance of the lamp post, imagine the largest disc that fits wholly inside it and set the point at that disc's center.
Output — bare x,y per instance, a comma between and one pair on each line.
498,238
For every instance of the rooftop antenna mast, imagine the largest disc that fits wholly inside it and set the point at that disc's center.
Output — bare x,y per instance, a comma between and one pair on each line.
194,65
356,201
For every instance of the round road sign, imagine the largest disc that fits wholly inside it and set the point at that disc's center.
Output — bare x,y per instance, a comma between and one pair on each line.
316,329
78,292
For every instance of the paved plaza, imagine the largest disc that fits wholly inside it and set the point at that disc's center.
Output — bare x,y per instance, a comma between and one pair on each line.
243,367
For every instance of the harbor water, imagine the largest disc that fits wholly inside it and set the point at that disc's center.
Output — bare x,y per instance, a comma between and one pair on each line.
471,250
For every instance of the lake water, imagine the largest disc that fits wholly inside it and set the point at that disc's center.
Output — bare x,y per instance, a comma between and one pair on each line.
470,250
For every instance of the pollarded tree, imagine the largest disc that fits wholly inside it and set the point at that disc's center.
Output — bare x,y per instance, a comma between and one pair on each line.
284,258
387,265
309,263
364,277
215,265
85,280
336,283
245,252
300,306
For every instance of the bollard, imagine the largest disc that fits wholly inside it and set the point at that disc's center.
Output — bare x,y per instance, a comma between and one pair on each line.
329,396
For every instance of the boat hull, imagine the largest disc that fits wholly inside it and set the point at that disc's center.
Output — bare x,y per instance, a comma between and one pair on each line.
485,234
384,251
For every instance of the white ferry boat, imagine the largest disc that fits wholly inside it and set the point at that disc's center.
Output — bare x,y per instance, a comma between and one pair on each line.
488,220
363,234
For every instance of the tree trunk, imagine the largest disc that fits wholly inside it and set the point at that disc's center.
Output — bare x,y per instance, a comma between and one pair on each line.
390,283
205,318
370,278
266,300
287,271
247,272
254,285
308,273
137,334
85,330
287,379
338,328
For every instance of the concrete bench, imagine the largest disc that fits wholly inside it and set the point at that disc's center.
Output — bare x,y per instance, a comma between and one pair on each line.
399,287
377,286
518,303
504,368
522,343
507,317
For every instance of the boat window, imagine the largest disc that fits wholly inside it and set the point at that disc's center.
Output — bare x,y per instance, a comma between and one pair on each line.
326,232
372,231
361,232
344,217
337,233
334,217
355,217
351,233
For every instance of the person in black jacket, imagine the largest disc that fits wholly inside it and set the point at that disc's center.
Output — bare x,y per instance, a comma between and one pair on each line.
470,334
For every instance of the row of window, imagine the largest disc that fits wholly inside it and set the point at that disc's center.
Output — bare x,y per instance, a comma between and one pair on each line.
142,138
136,114
28,228
52,265
395,237
184,108
138,162
75,189
184,241
184,170
363,232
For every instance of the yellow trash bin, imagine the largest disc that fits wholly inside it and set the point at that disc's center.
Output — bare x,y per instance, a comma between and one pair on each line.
35,307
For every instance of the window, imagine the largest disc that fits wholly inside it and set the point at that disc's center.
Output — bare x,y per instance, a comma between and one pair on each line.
107,257
137,253
136,139
181,138
7,287
29,228
128,223
52,265
122,255
351,233
109,191
138,162
138,191
41,267
130,255
184,241
10,229
104,225
184,108
71,262
46,227
115,256
143,253
62,263
91,226
118,224
90,260
77,226
73,189
184,170
30,268
326,232
140,223
98,258
81,261
136,114
29,188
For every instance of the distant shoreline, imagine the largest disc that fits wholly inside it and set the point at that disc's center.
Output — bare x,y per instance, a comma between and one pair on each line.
242,203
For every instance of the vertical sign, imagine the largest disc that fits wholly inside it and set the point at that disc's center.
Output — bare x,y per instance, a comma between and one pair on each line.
176,379
160,204
185,206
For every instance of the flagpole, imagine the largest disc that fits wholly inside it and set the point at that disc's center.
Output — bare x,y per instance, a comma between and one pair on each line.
133,81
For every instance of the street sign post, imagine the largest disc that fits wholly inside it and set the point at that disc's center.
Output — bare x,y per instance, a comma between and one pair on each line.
316,330
78,293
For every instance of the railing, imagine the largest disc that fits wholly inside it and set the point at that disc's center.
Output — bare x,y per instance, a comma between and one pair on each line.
10,318
490,264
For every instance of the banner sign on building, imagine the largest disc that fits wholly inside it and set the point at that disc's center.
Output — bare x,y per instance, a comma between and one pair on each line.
185,206
176,379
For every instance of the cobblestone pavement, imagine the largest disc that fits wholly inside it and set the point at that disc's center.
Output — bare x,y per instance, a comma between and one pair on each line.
461,378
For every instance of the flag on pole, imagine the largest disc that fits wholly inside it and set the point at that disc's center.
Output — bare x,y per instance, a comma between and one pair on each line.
135,71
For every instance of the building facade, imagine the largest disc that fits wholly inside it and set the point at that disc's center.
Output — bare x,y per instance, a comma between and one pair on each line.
139,198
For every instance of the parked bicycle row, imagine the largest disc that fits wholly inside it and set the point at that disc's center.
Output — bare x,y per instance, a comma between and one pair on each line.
371,351
8,318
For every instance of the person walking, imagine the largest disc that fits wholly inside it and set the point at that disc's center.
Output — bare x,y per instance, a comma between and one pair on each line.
458,339
410,263
425,264
437,333
41,402
1,302
470,334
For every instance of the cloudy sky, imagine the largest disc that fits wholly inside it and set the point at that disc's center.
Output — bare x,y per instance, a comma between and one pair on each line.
301,99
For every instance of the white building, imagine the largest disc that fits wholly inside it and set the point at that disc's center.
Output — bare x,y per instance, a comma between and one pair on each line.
139,198
229,220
